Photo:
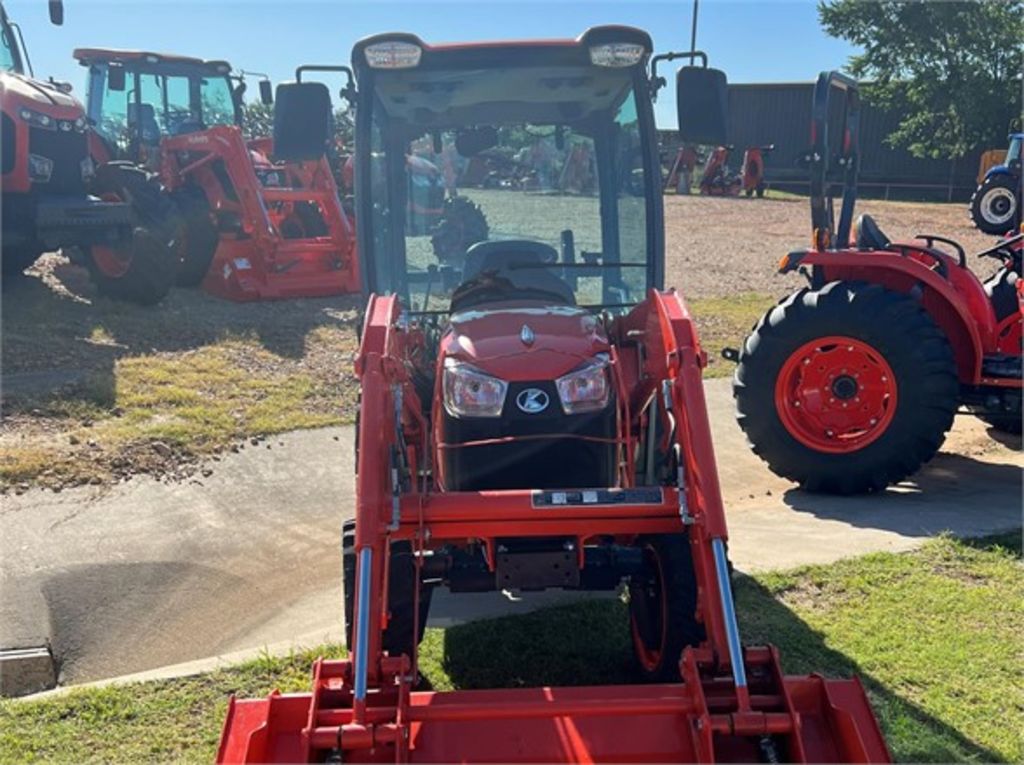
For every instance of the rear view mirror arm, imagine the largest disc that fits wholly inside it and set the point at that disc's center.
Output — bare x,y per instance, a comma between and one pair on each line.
348,92
656,82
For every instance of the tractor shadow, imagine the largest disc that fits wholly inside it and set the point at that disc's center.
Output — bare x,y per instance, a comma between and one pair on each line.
60,339
588,643
953,493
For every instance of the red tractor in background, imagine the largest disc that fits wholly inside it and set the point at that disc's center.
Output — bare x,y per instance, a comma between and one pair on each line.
851,383
54,198
719,180
752,172
533,417
254,222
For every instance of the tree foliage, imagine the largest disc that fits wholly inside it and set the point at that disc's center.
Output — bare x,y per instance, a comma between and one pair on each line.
951,69
258,122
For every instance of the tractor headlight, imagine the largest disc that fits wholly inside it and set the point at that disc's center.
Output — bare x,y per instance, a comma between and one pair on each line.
468,392
617,54
586,388
38,119
393,55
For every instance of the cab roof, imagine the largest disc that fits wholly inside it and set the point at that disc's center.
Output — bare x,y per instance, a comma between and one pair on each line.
500,53
89,56
542,81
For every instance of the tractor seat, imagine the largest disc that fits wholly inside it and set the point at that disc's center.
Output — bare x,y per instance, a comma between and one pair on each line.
513,269
143,117
869,236
499,255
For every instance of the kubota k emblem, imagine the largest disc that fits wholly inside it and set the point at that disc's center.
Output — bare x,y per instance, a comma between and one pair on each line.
532,400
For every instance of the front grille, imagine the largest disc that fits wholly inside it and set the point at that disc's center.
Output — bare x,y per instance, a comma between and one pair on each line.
535,457
7,145
67,150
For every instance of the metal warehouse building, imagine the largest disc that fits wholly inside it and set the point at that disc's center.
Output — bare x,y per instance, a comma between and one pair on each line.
780,113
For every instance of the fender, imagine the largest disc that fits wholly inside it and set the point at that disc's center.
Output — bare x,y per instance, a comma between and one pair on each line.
999,170
957,304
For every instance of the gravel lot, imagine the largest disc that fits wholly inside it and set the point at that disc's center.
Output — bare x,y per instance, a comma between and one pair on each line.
723,246
95,391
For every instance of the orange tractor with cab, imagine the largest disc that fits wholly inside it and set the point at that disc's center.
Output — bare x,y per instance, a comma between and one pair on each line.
533,417
256,220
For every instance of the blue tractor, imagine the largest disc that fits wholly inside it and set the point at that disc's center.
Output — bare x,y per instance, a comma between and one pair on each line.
995,206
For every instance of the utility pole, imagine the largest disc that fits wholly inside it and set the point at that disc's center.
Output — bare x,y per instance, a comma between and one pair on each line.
693,29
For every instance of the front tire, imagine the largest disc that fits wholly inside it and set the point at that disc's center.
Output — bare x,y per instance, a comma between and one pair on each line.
995,205
143,269
399,637
197,237
846,389
663,607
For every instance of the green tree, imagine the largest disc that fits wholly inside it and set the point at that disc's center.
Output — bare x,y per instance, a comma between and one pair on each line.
258,121
952,69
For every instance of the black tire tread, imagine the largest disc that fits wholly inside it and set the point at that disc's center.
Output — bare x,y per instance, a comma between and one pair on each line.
903,332
399,635
201,236
153,266
683,628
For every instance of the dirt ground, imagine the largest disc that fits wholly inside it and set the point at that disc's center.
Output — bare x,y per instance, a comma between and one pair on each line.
95,391
716,247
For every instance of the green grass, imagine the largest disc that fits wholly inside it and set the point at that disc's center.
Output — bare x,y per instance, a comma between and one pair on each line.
934,634
724,323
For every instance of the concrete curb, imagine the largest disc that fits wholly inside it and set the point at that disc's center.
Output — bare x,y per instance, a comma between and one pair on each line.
200,666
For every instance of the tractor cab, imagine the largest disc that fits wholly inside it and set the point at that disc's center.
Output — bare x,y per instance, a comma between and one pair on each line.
555,151
555,148
136,98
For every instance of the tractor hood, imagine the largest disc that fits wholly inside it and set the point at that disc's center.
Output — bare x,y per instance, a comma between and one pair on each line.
524,340
37,95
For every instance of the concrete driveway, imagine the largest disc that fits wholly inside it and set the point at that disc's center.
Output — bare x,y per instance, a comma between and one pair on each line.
148,574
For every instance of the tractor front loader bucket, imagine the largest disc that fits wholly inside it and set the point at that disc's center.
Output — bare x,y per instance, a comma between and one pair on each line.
728,703
799,719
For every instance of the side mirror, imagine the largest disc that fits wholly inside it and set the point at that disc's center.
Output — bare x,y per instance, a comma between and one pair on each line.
117,78
56,12
302,120
471,142
702,105
266,93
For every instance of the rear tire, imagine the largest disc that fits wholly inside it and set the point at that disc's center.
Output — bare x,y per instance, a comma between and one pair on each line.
663,607
462,225
818,425
16,259
142,270
197,237
995,205
1005,423
399,636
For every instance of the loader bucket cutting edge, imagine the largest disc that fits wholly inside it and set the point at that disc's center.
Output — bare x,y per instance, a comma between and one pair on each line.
654,723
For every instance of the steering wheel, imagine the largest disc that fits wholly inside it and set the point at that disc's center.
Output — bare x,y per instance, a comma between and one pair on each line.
1002,251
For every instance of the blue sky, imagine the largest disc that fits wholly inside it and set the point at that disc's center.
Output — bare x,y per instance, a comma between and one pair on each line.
753,41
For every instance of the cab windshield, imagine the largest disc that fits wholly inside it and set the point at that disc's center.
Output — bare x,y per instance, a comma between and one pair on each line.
8,54
156,103
1013,152
548,160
